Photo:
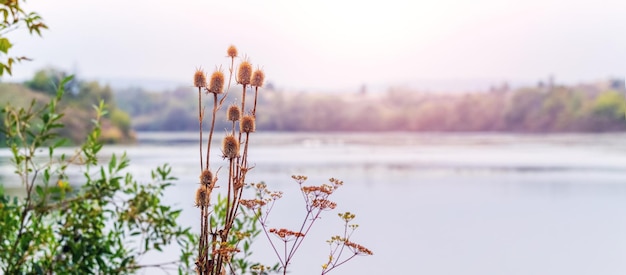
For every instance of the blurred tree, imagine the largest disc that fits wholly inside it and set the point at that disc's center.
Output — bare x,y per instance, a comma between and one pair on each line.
609,112
46,80
90,93
521,112
121,119
610,104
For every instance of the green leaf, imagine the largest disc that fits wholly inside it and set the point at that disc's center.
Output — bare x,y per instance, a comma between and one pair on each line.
5,45
126,261
112,163
60,143
38,269
46,176
61,87
39,191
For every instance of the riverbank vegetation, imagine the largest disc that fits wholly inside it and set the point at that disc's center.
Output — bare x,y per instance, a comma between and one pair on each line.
541,109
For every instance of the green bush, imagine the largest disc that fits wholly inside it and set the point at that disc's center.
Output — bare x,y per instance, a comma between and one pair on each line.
101,222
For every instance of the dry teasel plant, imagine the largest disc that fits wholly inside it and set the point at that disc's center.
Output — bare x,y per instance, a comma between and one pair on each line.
219,234
218,240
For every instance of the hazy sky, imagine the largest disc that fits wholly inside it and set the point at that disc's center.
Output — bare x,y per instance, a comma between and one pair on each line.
332,44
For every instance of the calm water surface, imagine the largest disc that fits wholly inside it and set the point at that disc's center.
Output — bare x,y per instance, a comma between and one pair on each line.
432,204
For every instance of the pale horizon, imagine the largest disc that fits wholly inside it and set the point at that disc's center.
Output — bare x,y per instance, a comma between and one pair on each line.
329,44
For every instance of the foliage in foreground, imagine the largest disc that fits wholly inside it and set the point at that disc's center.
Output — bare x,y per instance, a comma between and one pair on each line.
78,216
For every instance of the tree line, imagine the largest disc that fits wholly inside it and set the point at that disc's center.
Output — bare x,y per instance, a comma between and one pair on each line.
582,108
541,109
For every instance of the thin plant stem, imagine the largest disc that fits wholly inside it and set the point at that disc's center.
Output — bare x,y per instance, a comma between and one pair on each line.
202,231
243,110
272,244
230,186
200,118
208,150
243,100
256,94
230,73
346,237
337,265
286,262
295,243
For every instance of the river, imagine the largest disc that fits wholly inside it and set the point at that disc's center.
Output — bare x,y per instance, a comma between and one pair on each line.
433,204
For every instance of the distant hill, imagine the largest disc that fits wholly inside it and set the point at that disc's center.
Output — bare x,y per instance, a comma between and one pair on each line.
76,105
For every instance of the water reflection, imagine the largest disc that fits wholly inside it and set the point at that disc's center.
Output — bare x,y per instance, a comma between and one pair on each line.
435,204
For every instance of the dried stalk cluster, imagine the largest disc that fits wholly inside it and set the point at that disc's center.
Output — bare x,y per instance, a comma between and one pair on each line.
214,250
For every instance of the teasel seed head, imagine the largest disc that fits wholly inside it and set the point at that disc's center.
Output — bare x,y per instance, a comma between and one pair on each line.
245,73
247,124
199,78
203,196
230,147
232,51
233,113
206,178
258,76
216,84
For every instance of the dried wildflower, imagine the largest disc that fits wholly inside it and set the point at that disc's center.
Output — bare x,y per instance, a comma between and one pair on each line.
226,250
247,124
245,73
216,85
233,113
336,239
232,51
323,204
335,182
346,216
242,235
206,177
276,195
324,189
230,147
203,196
299,179
357,248
252,204
199,78
260,268
286,235
260,185
258,76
